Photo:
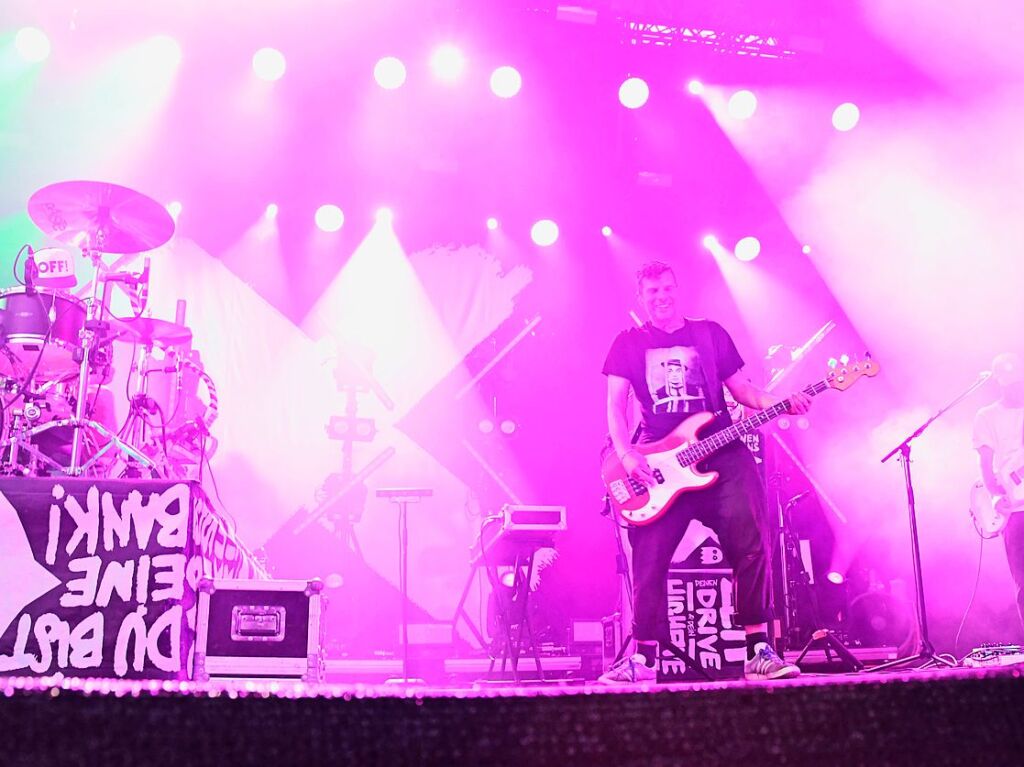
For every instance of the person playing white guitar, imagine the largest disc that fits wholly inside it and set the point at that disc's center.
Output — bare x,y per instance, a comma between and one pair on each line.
676,367
999,440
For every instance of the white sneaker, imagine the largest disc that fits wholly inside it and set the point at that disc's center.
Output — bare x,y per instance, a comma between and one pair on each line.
629,670
766,664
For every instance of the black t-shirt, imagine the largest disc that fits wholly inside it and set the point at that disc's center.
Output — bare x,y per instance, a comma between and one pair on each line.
668,376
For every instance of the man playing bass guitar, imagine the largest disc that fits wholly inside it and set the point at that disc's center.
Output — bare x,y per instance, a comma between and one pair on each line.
676,367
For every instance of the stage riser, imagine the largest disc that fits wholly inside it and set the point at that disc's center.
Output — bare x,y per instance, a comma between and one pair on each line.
934,721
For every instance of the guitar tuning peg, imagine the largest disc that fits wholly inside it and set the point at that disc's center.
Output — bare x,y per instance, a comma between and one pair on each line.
833,363
845,359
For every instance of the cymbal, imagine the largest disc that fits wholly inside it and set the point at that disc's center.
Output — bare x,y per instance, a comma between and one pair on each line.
148,330
113,219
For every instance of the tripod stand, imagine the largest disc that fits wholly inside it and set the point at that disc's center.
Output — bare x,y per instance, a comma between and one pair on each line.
926,650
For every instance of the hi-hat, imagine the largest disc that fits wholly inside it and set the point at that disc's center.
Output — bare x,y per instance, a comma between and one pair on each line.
103,217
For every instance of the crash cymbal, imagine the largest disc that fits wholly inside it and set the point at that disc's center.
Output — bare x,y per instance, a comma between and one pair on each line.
147,330
104,217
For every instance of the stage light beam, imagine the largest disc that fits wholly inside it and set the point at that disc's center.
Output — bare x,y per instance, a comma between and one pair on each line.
447,63
633,93
544,233
389,73
384,216
747,249
845,117
742,105
32,44
492,223
269,64
606,231
695,87
506,82
329,218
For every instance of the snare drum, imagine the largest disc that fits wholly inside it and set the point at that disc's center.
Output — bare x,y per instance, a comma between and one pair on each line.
24,322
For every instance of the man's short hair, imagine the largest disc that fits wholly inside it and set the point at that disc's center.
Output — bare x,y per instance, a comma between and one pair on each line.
652,270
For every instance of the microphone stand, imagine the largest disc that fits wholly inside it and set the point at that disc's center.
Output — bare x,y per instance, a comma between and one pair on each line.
926,650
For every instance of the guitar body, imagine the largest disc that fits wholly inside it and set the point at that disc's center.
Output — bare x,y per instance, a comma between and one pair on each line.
992,513
638,504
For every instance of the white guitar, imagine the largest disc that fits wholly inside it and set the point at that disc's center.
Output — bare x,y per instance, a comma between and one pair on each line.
991,513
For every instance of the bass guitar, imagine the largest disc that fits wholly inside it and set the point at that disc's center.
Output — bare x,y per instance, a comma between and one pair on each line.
673,459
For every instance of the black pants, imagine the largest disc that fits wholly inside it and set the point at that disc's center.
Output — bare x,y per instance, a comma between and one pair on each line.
735,508
1014,535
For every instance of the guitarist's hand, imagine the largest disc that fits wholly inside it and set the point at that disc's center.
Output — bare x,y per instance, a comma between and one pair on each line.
799,403
636,466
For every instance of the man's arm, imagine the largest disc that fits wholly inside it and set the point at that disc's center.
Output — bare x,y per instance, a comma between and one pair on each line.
986,457
744,392
633,461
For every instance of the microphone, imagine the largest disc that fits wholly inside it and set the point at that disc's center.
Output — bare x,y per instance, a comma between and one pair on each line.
797,498
984,375
30,272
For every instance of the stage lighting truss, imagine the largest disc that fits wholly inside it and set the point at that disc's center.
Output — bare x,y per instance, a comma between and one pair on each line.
737,43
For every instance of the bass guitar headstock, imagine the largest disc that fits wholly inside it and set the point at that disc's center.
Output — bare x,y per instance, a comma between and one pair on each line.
845,372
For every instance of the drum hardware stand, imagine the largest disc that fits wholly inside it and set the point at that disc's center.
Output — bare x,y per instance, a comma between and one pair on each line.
926,650
92,336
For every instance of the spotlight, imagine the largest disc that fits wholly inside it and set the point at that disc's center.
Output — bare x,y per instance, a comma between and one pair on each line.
389,73
166,51
806,250
747,249
486,426
836,578
544,232
633,93
384,216
506,82
174,208
271,211
710,241
742,105
695,87
492,223
329,218
268,64
845,117
508,426
32,44
447,63
606,231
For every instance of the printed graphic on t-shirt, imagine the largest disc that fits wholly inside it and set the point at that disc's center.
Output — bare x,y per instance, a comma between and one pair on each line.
675,380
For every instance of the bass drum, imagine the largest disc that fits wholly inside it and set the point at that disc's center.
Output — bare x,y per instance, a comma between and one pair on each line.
45,327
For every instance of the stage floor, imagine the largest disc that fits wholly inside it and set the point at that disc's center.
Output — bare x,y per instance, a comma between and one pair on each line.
958,716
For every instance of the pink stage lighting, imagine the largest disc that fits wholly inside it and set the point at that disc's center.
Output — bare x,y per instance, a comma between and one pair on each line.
384,216
606,231
710,241
544,233
174,208
329,218
845,117
695,87
506,82
268,64
492,223
271,211
806,250
32,44
742,105
389,73
747,249
633,93
447,63
836,578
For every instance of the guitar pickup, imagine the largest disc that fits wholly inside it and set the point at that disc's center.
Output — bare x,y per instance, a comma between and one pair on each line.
619,491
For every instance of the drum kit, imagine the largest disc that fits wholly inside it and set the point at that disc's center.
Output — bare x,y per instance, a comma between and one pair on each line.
57,349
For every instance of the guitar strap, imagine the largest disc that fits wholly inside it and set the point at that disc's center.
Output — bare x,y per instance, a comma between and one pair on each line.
706,350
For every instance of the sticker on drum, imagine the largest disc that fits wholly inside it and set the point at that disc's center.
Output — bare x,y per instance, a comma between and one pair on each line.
26,321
